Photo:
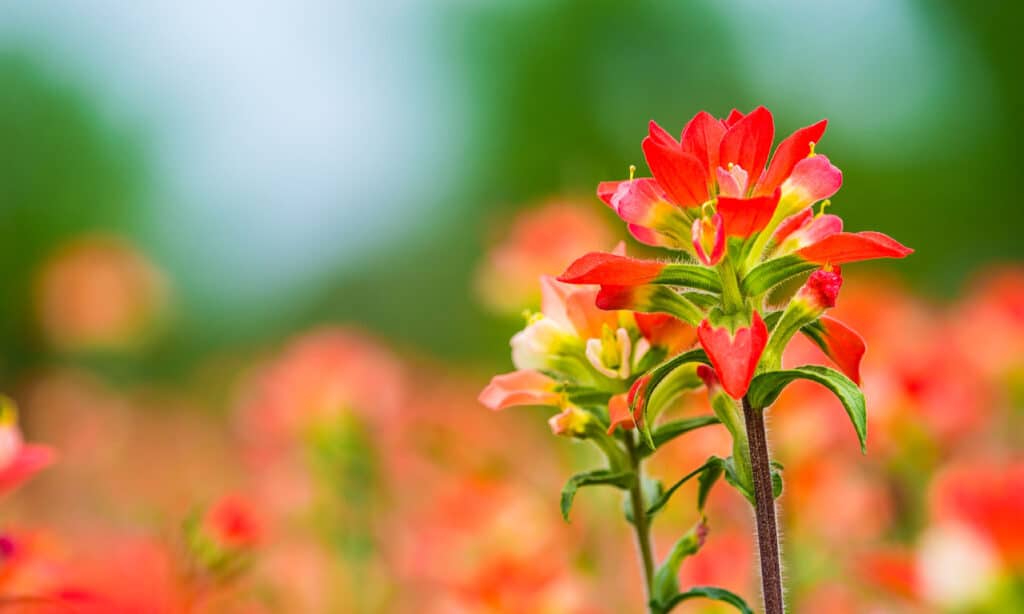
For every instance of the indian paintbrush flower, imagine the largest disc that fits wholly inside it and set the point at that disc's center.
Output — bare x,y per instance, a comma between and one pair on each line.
741,222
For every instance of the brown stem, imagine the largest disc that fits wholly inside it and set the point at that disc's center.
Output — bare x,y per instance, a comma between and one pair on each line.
640,520
764,499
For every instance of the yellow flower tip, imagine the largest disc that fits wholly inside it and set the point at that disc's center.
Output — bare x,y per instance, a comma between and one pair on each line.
731,165
824,203
632,171
828,267
811,145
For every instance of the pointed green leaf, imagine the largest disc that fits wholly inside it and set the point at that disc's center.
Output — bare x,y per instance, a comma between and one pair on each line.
691,276
769,274
713,462
670,430
708,479
705,592
766,388
619,479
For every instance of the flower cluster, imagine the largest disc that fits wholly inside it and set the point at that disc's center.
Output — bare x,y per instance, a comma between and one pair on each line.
756,261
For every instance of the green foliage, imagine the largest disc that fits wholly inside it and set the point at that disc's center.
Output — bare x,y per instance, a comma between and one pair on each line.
659,374
766,388
670,430
703,592
618,479
767,275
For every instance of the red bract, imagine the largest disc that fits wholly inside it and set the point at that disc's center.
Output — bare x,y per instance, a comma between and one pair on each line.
734,355
743,217
844,346
844,247
663,330
611,269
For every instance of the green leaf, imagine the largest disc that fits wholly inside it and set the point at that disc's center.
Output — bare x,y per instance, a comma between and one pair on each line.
666,580
707,480
732,476
619,479
670,430
657,375
765,389
712,463
691,276
705,592
769,274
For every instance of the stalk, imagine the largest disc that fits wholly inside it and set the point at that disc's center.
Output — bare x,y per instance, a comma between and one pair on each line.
764,499
641,523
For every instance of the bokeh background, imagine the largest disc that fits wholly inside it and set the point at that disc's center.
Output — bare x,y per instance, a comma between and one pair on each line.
195,198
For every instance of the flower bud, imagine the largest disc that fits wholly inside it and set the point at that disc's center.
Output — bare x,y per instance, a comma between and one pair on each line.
572,422
709,239
818,294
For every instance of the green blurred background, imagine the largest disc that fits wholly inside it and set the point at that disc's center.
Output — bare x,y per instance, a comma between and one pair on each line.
299,162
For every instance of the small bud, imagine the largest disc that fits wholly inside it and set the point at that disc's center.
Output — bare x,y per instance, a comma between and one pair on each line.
821,289
709,239
571,422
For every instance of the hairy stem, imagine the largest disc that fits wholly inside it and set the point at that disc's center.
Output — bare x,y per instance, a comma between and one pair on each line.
764,499
640,520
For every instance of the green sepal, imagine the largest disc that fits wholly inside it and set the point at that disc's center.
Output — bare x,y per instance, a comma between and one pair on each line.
670,430
704,592
657,375
690,276
769,274
666,580
732,476
765,389
619,479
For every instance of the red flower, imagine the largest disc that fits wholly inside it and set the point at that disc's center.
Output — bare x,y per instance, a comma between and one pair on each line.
734,355
233,522
724,159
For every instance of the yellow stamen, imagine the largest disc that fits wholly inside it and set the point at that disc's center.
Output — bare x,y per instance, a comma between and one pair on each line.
632,171
824,203
811,145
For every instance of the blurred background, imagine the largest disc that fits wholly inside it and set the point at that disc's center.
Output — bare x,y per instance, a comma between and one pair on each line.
210,209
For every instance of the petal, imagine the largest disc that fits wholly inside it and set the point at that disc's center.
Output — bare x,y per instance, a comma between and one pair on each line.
651,237
792,150
619,414
844,247
734,117
587,319
743,217
30,459
748,142
681,175
524,387
661,136
702,138
812,179
844,346
642,202
735,356
610,269
666,331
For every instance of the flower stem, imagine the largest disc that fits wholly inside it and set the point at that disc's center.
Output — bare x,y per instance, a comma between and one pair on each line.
764,499
641,523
